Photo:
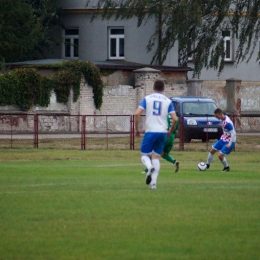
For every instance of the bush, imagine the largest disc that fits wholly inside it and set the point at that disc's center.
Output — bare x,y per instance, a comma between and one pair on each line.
26,87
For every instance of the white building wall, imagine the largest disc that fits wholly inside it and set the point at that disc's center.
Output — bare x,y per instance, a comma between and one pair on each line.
93,36
243,71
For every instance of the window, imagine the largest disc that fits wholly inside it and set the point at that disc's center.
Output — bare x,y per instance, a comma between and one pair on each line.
177,108
199,108
71,43
227,45
116,43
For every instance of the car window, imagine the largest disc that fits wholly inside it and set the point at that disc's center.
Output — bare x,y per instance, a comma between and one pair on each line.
177,108
199,108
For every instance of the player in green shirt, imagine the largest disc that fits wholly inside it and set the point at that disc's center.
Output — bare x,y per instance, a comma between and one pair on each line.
168,146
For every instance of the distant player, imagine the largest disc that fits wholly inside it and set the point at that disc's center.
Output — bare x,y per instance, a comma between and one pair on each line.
168,146
227,141
157,107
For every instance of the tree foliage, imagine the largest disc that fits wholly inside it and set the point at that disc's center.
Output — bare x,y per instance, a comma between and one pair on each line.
25,28
26,87
200,22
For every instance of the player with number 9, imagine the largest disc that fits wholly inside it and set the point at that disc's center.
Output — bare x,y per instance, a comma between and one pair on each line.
156,107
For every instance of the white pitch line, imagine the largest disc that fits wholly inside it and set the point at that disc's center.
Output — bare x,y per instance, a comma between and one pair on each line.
232,183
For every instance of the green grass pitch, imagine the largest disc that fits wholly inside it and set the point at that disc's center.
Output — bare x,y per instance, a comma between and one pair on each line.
63,204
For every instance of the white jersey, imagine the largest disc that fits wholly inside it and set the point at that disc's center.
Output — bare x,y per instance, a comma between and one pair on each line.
229,133
157,108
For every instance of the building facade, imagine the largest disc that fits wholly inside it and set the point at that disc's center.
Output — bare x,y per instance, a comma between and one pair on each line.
103,40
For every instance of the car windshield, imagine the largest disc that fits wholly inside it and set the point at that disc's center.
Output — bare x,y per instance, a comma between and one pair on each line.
198,108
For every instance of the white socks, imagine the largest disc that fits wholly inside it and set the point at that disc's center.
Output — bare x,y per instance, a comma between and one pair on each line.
224,162
210,157
146,161
156,165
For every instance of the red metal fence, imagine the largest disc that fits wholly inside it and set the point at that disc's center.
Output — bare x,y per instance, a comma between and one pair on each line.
110,132
66,131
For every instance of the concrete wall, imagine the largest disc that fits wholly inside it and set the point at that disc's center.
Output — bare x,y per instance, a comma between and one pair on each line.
124,90
240,99
215,90
122,98
250,92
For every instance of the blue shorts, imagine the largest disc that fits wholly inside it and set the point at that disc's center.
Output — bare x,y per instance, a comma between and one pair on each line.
220,145
153,143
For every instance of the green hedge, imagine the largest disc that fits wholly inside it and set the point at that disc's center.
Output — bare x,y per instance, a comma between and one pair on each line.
26,87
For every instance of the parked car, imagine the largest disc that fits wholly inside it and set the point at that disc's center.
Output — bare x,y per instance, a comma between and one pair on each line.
198,117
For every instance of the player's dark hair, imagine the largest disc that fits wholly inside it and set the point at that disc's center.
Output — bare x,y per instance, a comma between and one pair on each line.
218,111
158,85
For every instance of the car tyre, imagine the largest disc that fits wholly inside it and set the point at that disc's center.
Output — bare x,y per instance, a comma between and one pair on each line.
204,139
187,138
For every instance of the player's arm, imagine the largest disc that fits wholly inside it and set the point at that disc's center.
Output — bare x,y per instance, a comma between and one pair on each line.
171,112
138,113
232,133
176,129
174,122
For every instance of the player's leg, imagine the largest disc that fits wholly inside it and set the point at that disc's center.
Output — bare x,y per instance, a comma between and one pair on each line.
146,161
166,152
155,173
224,152
146,150
215,147
210,157
146,170
168,157
223,160
157,150
177,164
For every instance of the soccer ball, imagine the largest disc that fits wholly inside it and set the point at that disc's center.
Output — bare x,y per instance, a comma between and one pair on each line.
202,166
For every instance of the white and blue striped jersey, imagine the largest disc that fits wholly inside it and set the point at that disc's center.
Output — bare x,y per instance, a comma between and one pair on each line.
157,108
229,133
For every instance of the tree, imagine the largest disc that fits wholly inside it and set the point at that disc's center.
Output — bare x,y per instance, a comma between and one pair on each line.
25,28
197,22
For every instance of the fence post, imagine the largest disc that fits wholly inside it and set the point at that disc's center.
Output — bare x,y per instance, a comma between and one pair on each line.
106,132
83,133
35,130
234,99
181,134
11,123
207,135
234,117
131,132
